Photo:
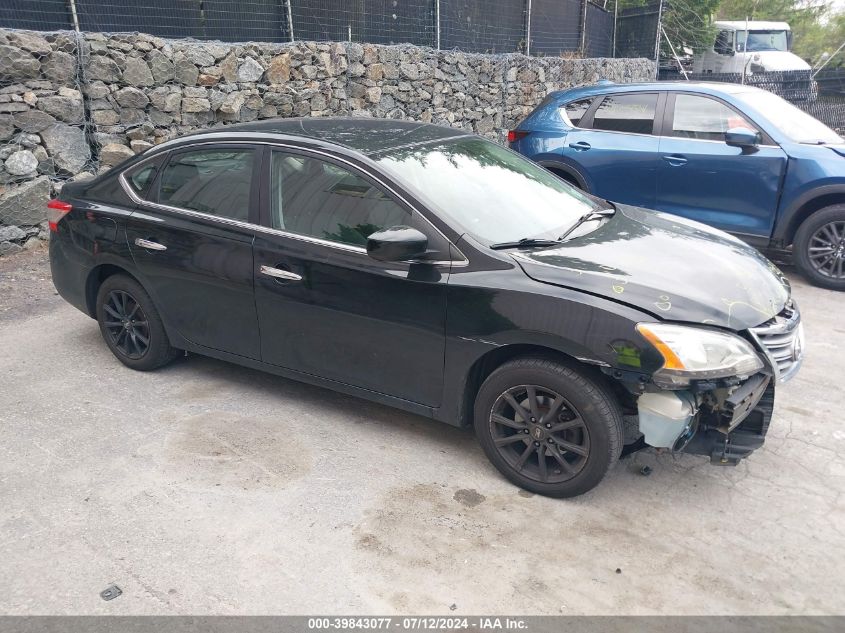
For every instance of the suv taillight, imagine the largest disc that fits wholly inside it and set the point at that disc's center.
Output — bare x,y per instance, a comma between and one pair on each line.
515,135
56,210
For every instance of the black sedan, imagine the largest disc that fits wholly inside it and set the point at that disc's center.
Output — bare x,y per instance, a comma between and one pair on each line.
438,272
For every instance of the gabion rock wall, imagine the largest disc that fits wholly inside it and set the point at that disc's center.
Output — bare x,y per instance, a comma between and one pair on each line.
74,104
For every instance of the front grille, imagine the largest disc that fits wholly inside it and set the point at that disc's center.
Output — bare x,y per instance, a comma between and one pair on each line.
782,339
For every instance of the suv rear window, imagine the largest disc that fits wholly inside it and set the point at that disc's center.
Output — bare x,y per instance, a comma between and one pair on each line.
632,113
574,111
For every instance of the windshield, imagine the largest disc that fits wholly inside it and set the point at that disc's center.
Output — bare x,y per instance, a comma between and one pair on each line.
794,123
762,41
495,194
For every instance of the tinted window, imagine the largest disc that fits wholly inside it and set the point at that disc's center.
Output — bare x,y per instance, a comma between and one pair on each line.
704,118
214,181
632,113
573,112
319,199
724,42
141,178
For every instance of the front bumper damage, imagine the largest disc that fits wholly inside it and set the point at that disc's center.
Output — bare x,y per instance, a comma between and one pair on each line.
727,419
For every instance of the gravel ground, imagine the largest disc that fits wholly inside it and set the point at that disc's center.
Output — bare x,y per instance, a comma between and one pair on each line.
206,488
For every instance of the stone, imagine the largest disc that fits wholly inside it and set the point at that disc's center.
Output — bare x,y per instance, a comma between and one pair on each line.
33,121
268,111
25,204
105,117
131,98
30,41
229,68
140,147
374,94
278,70
67,146
198,56
21,163
137,73
132,116
375,72
67,109
9,248
59,67
250,70
112,154
31,243
207,80
140,132
192,104
10,233
95,89
184,71
102,68
354,52
18,64
232,103
7,126
161,67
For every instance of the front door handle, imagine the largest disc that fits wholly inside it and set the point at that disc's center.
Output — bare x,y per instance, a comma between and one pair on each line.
580,146
149,245
676,160
278,273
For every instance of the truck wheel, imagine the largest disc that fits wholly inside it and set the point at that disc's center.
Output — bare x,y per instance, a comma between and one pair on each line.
819,247
548,428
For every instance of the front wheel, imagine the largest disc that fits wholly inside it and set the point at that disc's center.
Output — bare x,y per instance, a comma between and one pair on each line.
548,428
819,247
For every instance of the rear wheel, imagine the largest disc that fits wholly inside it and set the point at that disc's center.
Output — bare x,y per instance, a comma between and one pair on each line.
131,325
819,247
548,428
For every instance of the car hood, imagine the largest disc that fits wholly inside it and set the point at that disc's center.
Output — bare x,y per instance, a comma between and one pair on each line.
671,267
781,60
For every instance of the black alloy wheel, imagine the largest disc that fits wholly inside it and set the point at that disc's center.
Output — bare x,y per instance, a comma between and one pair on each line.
127,324
131,325
539,434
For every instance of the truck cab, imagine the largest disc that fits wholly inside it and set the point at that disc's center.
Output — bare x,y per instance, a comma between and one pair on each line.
750,47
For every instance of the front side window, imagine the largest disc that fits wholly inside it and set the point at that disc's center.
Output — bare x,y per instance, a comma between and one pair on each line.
632,113
724,43
492,193
704,118
213,181
573,112
760,41
318,199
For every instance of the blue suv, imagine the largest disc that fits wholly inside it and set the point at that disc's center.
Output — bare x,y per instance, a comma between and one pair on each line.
732,156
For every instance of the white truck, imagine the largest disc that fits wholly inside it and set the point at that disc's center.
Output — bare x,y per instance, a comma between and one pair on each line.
749,47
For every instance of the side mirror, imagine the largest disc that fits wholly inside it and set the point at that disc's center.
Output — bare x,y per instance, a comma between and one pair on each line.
741,137
397,244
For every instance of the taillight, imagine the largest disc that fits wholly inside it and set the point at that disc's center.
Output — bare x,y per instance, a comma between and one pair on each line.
56,210
515,135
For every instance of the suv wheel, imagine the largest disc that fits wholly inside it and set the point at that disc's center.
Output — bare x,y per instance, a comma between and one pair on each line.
547,427
131,325
819,248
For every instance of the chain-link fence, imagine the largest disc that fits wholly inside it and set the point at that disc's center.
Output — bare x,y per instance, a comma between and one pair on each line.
584,28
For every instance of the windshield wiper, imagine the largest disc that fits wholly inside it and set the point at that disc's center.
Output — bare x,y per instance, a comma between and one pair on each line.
525,242
589,215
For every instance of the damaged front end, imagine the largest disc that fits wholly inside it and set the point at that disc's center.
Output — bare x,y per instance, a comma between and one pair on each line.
714,394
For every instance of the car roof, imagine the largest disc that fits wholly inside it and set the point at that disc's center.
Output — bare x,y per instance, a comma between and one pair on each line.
760,25
607,87
361,134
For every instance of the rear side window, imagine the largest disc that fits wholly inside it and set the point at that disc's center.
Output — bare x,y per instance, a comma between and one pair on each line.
704,118
573,112
141,178
213,181
632,113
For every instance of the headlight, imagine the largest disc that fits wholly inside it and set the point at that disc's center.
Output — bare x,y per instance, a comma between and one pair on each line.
691,353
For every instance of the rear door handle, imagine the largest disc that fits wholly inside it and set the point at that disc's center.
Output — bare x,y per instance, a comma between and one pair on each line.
149,245
278,273
676,160
580,146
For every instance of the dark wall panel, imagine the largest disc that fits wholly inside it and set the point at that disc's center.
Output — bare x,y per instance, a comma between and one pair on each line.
599,41
165,18
482,26
37,15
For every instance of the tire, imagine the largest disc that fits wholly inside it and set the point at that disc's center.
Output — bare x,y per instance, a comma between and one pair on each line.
584,416
824,227
121,299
